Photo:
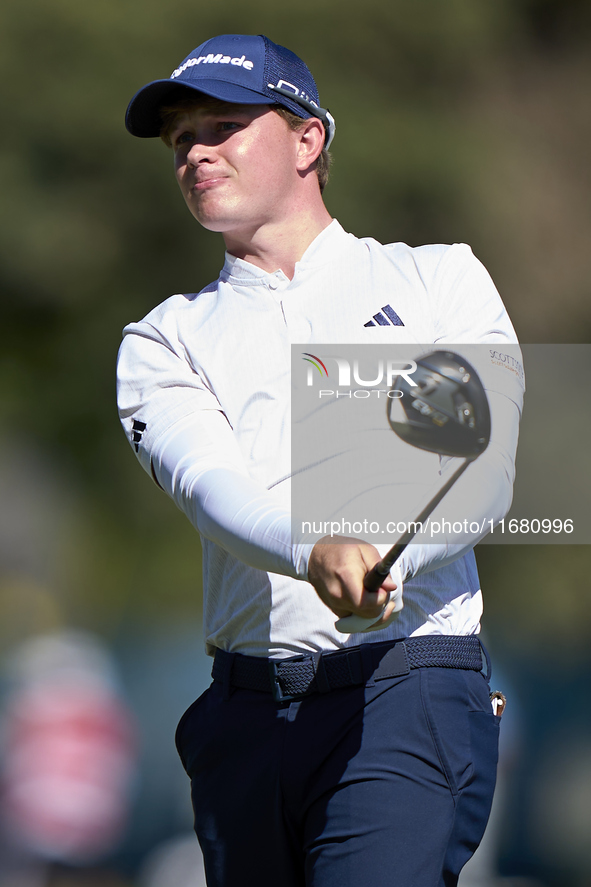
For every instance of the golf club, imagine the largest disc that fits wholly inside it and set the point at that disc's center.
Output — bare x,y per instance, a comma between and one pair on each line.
445,412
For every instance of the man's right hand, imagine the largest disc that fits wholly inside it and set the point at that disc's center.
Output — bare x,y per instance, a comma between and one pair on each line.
337,567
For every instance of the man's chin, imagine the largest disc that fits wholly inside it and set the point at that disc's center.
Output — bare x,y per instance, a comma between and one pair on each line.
230,226
214,219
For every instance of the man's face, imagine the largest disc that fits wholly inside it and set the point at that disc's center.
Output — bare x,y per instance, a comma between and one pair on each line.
236,167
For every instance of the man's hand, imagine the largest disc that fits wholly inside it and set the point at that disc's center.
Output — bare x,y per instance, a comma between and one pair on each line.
337,568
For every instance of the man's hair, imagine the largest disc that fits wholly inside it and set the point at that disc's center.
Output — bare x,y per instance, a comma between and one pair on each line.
169,113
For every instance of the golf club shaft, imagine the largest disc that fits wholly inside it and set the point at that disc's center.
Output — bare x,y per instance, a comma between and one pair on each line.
377,574
375,577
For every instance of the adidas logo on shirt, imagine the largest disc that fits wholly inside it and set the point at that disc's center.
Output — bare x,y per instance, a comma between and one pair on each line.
390,318
138,429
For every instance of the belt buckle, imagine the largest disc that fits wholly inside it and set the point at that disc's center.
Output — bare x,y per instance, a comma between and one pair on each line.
276,689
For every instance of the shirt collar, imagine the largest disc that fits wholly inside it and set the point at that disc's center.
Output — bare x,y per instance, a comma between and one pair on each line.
326,245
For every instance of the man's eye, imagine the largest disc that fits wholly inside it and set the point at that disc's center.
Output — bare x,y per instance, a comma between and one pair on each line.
182,139
227,126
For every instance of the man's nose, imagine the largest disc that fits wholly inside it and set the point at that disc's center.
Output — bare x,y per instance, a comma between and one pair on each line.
199,152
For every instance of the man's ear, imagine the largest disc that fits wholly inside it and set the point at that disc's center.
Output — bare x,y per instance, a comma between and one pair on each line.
310,143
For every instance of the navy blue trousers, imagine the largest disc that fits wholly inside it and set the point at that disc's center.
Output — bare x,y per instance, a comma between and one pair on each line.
389,783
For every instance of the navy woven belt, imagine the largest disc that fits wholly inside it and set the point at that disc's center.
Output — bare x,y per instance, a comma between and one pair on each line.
299,676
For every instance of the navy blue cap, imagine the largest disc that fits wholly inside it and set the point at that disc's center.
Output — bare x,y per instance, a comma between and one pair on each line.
236,68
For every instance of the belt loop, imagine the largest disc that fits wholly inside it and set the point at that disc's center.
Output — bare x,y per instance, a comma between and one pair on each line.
487,661
322,682
367,664
227,677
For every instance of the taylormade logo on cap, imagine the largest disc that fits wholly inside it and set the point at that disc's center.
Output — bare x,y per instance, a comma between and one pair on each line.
212,59
234,68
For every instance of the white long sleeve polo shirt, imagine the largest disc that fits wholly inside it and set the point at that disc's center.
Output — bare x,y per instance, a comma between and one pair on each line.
204,399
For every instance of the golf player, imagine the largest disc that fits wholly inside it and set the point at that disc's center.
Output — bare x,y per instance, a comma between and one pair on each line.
315,757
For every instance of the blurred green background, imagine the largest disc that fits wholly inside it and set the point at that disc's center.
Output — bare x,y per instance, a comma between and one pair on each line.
460,121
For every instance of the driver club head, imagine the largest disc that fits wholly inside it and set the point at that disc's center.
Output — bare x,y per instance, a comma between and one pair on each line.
446,411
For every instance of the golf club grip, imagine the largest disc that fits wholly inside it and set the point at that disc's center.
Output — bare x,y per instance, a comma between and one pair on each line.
381,570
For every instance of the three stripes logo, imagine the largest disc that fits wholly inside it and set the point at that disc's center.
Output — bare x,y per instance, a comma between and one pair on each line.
138,429
388,318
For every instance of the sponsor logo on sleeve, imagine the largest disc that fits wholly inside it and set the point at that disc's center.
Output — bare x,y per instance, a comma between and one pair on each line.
508,362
